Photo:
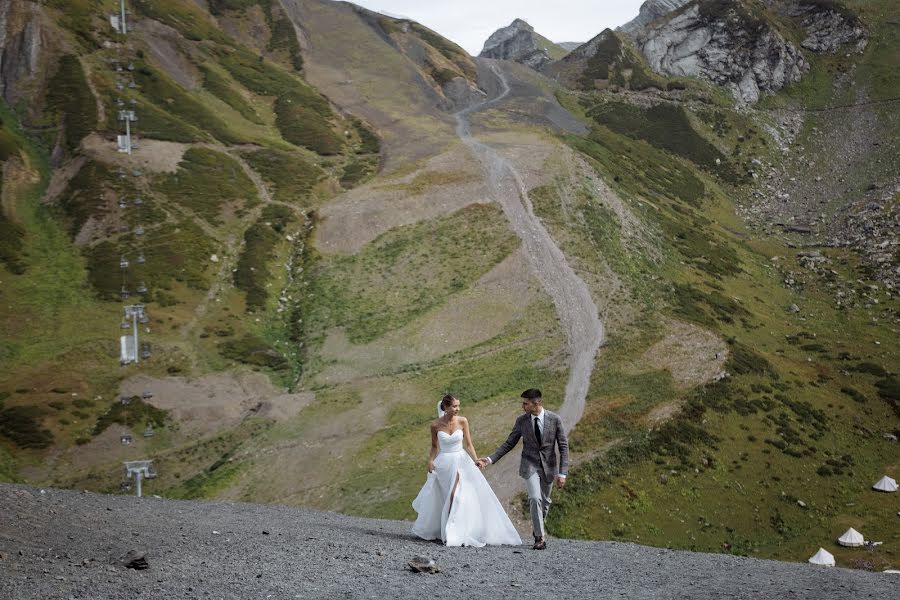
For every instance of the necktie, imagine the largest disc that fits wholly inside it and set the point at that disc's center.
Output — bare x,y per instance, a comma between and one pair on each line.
537,432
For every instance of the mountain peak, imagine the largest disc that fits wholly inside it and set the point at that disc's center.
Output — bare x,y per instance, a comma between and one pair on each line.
519,42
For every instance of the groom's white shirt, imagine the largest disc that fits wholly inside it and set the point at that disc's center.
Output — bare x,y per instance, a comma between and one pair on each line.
540,418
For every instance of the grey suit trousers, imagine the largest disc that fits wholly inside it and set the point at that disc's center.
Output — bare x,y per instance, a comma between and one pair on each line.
538,502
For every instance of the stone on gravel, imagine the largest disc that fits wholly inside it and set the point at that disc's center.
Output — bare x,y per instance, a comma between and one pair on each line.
423,564
135,559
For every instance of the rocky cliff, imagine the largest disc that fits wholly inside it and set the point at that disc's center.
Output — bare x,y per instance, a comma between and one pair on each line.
21,42
740,44
520,43
725,43
649,12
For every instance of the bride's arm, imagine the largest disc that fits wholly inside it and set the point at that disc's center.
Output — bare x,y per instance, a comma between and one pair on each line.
468,439
434,449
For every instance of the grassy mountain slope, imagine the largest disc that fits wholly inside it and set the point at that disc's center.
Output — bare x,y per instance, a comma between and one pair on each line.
323,261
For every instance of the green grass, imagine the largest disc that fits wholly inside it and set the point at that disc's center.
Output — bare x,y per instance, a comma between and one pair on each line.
223,89
667,127
369,142
77,17
8,467
189,19
291,176
304,126
617,62
207,182
179,253
253,350
390,463
260,241
85,195
70,98
356,171
167,95
284,37
11,242
448,49
408,271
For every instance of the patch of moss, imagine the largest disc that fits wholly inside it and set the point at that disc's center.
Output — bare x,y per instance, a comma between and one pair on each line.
356,171
304,126
12,238
84,197
667,127
369,142
290,175
284,37
136,413
704,308
260,240
21,425
71,99
253,350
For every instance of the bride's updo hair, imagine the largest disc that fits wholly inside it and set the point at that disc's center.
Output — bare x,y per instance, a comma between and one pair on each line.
447,400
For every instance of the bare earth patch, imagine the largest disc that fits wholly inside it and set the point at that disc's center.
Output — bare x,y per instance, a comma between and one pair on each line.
156,156
217,401
692,354
469,318
361,215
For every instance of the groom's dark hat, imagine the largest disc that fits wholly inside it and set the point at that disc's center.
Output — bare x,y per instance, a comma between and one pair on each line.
532,394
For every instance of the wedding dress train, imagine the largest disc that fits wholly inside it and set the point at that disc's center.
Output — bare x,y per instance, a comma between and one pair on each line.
470,515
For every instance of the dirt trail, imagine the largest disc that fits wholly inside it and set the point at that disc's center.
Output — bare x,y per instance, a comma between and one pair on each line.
574,305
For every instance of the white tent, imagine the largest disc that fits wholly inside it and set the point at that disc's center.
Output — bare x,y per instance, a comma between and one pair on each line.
851,538
885,484
823,557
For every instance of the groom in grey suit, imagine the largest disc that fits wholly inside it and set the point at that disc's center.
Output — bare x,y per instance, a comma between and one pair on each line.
541,432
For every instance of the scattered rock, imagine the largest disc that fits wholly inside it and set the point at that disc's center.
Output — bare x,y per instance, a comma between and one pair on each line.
423,564
793,308
135,560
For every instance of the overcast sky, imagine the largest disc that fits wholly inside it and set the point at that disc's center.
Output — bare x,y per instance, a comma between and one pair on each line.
470,22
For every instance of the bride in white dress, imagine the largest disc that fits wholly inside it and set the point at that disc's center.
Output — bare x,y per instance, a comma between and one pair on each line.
456,504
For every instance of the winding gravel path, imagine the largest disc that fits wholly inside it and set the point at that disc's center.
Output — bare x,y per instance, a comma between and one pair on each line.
62,544
574,306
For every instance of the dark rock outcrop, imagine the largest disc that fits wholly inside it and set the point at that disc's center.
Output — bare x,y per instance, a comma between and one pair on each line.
21,44
520,43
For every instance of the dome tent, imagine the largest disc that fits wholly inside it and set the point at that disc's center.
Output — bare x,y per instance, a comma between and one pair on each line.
822,557
852,538
885,484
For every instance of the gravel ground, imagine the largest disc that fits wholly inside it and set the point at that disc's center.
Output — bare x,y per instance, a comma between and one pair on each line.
67,544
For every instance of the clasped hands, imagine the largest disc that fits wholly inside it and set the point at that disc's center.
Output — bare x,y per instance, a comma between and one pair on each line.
481,463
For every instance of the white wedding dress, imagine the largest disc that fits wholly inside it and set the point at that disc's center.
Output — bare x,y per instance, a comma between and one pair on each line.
476,517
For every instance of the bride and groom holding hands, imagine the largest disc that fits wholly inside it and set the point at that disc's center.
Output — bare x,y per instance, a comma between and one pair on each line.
458,506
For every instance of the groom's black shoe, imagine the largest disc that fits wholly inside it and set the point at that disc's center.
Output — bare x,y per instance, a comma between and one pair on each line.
539,544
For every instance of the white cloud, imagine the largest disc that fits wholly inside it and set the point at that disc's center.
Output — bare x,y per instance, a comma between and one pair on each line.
470,22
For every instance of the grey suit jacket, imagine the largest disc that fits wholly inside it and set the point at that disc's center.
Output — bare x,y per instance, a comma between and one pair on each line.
541,459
